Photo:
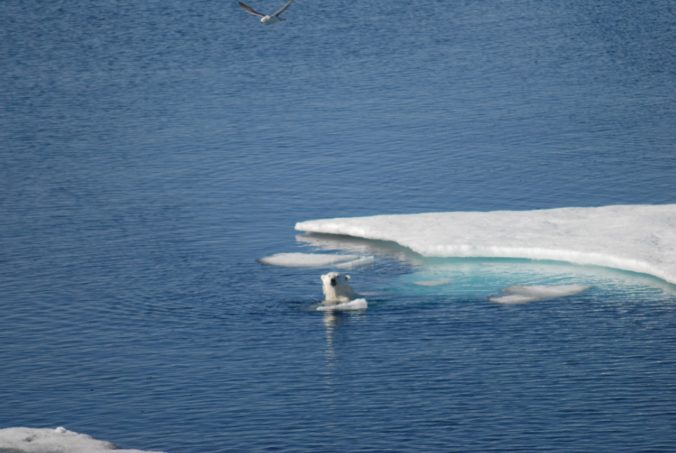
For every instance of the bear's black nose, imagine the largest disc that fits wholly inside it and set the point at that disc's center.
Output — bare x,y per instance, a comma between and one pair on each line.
333,281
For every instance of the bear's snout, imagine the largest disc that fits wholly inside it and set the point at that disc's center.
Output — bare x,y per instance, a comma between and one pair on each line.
333,281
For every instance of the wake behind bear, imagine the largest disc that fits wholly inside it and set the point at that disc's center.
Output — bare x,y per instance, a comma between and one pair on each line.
338,294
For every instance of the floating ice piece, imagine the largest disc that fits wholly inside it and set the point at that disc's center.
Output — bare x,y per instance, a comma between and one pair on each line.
356,304
359,262
316,260
525,294
637,238
43,440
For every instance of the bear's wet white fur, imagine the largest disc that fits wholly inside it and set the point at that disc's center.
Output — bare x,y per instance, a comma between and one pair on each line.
336,289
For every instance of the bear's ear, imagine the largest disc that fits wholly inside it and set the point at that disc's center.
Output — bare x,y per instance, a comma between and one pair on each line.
347,277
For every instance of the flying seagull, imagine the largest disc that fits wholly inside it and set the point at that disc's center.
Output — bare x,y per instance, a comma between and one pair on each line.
266,19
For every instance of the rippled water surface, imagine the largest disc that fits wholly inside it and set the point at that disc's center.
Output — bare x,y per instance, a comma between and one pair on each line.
151,151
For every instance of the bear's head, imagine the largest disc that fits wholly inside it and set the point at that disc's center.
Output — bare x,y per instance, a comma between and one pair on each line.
336,288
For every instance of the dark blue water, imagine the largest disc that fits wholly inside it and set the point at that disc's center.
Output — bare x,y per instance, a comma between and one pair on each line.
151,151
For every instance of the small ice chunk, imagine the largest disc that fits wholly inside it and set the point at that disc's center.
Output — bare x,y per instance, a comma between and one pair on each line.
316,260
358,262
356,304
43,440
525,294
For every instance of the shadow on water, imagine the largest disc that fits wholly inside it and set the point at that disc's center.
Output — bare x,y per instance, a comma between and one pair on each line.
388,249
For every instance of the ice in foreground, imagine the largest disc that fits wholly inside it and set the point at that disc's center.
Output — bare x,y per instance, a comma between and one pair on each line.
59,440
637,238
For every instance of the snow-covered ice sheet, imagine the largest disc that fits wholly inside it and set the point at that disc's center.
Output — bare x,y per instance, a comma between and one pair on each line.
59,440
637,238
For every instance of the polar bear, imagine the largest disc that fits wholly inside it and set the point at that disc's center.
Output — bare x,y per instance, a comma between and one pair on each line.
336,288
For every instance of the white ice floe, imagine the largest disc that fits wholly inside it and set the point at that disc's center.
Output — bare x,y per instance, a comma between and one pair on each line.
356,304
59,440
316,260
637,238
359,262
525,294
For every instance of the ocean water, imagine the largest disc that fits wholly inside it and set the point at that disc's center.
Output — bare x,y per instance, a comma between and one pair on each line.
151,151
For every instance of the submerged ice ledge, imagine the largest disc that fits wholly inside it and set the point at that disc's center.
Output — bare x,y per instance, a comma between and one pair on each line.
637,238
525,294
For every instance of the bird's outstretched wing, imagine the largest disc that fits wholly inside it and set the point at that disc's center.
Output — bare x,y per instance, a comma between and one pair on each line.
283,8
250,10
